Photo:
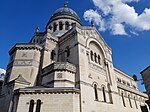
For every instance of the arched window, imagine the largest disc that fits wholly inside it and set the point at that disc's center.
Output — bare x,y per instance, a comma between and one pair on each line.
54,27
104,94
38,105
31,107
67,51
99,59
123,100
53,54
60,26
95,57
95,91
91,53
67,26
130,101
135,103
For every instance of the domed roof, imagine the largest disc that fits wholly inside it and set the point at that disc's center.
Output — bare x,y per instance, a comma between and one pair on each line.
65,12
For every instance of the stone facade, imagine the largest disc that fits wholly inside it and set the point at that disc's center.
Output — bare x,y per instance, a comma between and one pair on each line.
67,68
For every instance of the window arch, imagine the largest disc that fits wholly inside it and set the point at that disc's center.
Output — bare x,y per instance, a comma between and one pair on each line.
129,101
67,25
31,107
104,94
95,91
91,54
60,25
123,101
54,27
38,105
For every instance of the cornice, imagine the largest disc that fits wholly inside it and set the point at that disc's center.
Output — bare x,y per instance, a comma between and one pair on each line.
25,46
40,90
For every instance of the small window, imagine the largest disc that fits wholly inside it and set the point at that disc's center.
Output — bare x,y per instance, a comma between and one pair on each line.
50,27
130,101
123,101
135,103
124,82
128,83
67,26
134,86
99,59
31,107
60,26
95,57
104,94
91,54
53,54
67,51
119,80
95,91
38,106
54,27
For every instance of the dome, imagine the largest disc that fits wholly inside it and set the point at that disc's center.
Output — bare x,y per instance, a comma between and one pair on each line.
65,12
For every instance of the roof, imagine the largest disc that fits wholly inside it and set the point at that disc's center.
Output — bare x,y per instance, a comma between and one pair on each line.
65,12
145,69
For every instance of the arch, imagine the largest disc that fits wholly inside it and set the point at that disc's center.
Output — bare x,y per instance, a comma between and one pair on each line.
31,107
66,25
60,25
38,105
94,40
54,27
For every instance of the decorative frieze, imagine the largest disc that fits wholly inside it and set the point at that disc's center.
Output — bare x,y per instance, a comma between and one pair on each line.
22,63
47,91
59,66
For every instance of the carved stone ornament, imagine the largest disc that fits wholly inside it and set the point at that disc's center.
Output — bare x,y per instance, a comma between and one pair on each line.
24,54
23,63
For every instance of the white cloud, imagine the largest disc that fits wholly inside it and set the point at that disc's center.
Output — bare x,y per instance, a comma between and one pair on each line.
2,71
134,33
91,15
114,14
128,1
118,29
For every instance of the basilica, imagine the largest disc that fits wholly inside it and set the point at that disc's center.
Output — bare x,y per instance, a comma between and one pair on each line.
67,68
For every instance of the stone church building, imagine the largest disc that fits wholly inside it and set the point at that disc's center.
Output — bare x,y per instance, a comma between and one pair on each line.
67,68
